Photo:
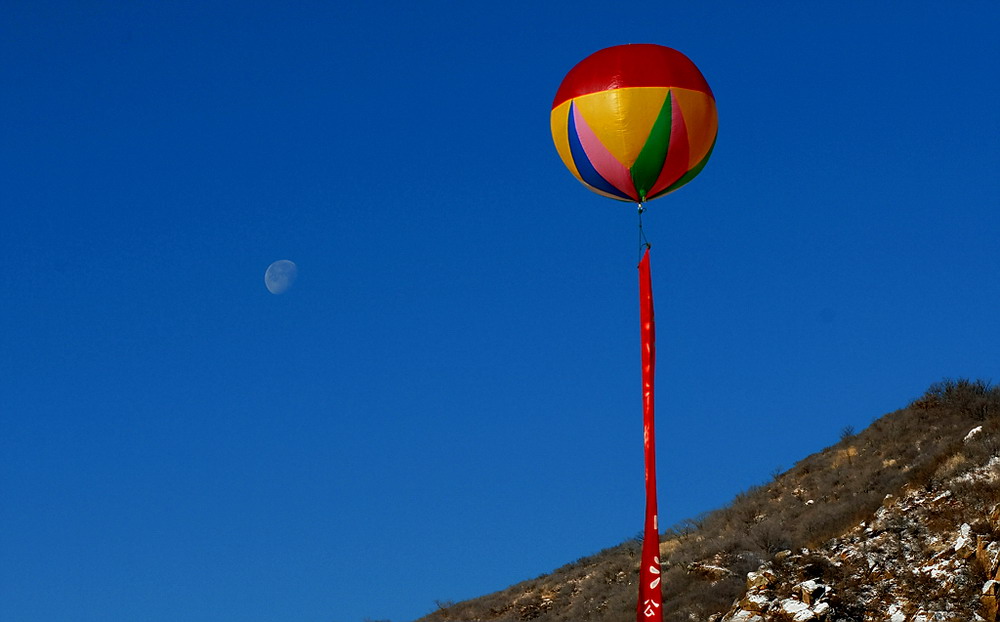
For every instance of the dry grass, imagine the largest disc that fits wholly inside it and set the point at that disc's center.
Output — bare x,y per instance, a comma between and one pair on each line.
921,445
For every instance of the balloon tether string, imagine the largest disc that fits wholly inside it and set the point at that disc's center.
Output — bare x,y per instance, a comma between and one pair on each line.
643,242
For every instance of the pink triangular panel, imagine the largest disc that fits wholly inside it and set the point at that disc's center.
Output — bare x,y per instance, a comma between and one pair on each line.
602,160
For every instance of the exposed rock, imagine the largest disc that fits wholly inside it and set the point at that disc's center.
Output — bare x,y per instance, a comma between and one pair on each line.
895,553
808,591
991,592
988,555
711,572
965,545
757,602
760,580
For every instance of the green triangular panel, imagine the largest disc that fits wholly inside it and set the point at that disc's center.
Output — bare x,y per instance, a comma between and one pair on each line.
648,165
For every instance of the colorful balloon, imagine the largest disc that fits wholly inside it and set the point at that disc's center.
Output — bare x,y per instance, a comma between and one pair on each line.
634,122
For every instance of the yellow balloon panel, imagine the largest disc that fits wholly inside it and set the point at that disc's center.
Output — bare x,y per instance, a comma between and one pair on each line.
622,118
560,135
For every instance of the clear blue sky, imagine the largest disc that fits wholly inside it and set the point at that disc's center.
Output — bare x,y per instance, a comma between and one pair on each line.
447,401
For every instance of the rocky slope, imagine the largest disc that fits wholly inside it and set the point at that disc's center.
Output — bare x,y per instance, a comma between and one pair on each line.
916,560
900,523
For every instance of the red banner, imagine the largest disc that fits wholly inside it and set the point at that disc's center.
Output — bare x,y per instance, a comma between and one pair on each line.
650,604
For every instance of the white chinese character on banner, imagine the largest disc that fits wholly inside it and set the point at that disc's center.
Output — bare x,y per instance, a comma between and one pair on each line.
651,608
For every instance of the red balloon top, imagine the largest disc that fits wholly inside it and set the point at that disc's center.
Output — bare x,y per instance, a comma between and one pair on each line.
622,66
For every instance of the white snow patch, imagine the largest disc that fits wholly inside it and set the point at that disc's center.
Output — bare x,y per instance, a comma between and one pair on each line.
943,495
972,433
896,614
964,536
939,572
809,585
799,611
992,467
989,472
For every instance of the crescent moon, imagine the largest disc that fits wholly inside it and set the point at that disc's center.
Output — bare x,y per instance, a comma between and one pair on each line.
280,275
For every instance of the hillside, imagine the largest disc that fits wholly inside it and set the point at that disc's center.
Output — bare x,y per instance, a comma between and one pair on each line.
897,523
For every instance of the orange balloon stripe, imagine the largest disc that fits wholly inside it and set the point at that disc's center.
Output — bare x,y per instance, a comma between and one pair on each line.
702,122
